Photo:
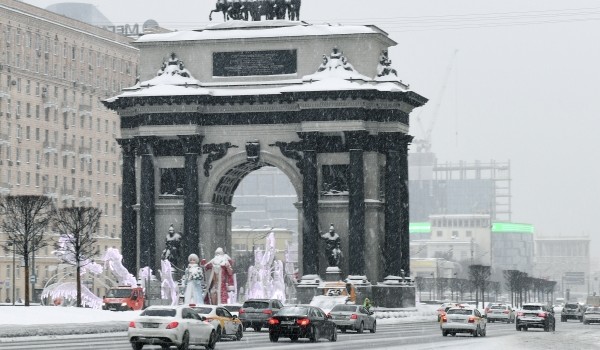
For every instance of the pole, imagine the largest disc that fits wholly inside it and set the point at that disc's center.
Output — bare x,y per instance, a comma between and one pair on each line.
13,273
32,275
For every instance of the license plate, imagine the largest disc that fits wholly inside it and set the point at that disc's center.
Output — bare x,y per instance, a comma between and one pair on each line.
150,325
287,322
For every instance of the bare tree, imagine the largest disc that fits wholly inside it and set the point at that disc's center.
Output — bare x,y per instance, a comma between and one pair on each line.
479,275
25,221
77,227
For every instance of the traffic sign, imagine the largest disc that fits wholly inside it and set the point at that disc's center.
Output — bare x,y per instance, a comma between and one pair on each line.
574,278
32,279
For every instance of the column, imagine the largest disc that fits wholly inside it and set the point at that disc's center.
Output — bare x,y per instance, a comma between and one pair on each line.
129,247
404,141
191,211
310,206
356,205
147,209
397,248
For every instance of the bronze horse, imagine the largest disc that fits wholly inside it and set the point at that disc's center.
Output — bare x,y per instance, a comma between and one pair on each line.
221,6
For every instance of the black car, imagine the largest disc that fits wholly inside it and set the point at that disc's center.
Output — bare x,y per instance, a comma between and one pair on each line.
302,321
535,315
255,313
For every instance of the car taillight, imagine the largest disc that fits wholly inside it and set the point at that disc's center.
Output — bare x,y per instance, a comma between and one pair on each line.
273,321
444,319
303,322
505,312
242,311
542,314
471,319
172,325
268,312
354,317
131,324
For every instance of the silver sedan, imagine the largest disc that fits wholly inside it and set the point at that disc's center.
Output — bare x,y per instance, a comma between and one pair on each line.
353,317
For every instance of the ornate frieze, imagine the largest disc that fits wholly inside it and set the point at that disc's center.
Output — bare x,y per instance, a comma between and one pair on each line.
215,152
291,150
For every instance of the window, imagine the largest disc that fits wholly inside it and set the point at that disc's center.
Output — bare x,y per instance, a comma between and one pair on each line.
439,233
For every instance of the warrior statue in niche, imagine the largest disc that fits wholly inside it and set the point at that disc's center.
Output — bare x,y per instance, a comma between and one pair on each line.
332,247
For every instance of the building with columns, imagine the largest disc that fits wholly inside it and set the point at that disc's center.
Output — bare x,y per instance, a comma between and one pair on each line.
322,103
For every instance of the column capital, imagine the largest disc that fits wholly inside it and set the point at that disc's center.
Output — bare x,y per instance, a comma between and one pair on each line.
356,139
309,140
129,146
146,144
394,141
191,143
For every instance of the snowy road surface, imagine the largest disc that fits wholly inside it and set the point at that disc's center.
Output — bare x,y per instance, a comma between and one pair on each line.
417,336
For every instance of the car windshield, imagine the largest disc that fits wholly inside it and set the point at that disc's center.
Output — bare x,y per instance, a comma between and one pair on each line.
501,307
203,310
593,310
232,308
118,293
293,311
256,304
340,308
571,306
532,307
460,312
159,312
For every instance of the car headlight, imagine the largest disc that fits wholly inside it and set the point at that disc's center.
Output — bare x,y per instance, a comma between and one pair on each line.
123,304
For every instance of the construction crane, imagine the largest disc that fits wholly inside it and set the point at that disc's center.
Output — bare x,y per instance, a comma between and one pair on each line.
424,144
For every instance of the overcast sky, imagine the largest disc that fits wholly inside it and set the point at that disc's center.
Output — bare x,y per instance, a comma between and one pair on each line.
523,86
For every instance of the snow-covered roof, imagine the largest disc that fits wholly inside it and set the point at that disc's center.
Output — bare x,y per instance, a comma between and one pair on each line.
263,29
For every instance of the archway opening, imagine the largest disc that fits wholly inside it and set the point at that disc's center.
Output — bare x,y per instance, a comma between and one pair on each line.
265,202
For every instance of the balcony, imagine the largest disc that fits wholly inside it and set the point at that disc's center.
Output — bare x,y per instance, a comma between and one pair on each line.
4,139
67,194
66,107
84,196
4,93
68,149
50,192
50,147
85,110
5,188
85,153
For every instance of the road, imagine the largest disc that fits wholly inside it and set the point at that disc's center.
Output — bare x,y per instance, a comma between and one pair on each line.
419,336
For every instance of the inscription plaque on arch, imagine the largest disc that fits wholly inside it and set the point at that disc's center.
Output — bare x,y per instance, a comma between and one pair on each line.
248,63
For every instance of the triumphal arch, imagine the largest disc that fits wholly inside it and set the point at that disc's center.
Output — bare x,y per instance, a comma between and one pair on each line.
323,103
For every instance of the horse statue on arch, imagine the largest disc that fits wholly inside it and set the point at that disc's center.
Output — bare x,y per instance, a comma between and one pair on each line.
293,9
220,6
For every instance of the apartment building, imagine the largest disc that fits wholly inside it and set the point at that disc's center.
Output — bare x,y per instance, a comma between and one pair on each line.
56,137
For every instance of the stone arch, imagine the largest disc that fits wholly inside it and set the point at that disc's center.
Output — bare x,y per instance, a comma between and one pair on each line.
236,167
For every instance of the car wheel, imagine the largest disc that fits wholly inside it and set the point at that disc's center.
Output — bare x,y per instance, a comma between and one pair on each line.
444,333
333,335
294,338
314,334
476,332
212,341
586,322
525,329
137,346
273,337
185,342
239,334
360,328
219,334
580,319
374,327
563,319
343,330
257,328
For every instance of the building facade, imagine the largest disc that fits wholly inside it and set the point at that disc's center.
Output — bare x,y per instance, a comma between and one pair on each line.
56,137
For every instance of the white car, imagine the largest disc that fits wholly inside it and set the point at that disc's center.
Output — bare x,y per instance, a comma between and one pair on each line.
168,326
500,312
463,320
591,315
